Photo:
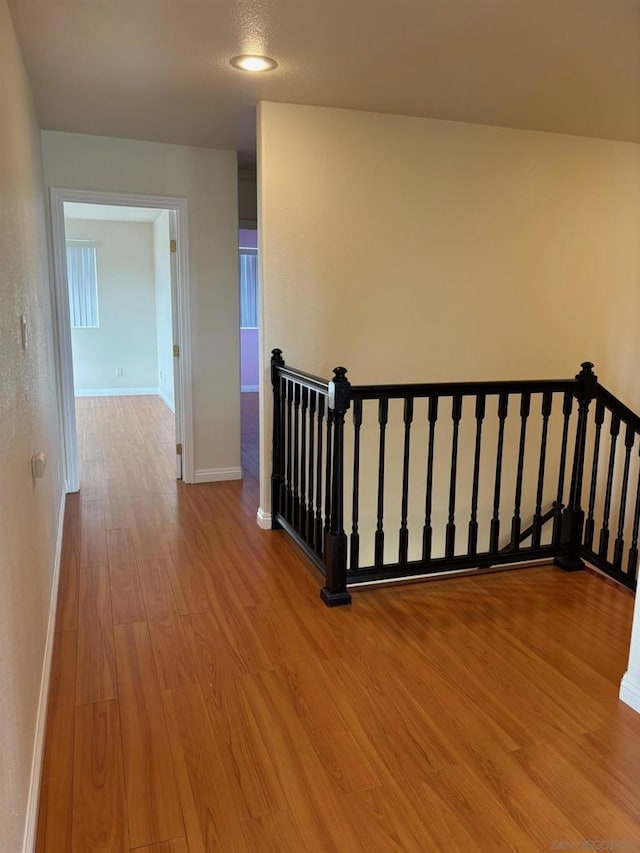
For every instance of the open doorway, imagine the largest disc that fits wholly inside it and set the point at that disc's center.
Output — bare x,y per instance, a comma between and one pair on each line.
120,307
123,340
249,351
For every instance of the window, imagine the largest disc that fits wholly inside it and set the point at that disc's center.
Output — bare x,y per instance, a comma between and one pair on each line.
248,289
83,285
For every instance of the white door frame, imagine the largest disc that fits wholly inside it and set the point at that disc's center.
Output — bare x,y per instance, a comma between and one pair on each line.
62,330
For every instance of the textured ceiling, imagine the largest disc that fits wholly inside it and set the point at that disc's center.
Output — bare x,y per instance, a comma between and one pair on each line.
158,69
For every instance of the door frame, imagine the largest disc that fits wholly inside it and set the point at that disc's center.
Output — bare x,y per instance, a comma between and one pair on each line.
62,325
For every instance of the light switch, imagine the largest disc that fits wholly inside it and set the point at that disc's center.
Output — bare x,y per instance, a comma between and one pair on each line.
38,465
23,331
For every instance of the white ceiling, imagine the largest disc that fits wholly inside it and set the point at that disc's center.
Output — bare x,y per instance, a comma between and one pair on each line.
158,69
109,212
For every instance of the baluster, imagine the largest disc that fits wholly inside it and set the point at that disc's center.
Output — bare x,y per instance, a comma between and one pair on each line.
516,522
334,592
567,408
632,566
354,561
473,524
618,548
302,510
296,456
494,536
589,526
427,532
403,548
319,526
614,431
289,475
328,469
536,533
276,465
383,414
450,536
573,515
312,435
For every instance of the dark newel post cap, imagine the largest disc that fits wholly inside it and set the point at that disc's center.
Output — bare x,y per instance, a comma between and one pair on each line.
588,382
340,374
276,355
587,368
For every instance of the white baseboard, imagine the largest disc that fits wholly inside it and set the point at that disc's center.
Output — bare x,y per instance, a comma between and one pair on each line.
249,387
31,823
630,690
116,392
168,403
217,475
263,519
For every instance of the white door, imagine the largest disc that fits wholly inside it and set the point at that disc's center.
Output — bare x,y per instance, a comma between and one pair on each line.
175,325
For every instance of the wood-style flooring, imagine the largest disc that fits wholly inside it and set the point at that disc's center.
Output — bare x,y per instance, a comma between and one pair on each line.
204,699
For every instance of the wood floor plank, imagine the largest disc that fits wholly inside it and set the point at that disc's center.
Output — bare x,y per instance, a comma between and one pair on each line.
153,809
126,596
276,833
54,814
210,812
93,534
96,677
99,812
67,609
176,845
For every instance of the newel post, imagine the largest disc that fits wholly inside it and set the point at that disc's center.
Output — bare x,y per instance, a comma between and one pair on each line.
573,514
334,592
276,450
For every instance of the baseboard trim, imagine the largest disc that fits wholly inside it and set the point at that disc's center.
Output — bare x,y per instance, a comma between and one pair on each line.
33,801
263,519
630,691
167,402
217,475
249,387
117,392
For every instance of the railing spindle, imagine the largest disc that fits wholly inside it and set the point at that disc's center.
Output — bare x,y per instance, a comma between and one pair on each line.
516,522
289,474
494,535
296,456
589,525
427,532
403,547
567,408
450,535
277,460
536,533
614,431
318,538
383,414
308,525
355,501
618,548
632,565
302,511
473,523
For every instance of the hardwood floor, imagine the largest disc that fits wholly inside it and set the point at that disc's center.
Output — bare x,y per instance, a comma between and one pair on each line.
204,699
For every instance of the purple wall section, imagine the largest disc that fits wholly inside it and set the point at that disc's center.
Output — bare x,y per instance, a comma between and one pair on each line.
249,359
248,238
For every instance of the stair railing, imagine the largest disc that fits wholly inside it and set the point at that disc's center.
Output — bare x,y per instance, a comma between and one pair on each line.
319,458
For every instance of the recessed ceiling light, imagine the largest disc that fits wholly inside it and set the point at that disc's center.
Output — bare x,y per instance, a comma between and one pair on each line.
253,63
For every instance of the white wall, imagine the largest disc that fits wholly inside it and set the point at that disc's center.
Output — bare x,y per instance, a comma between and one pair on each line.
29,510
126,336
208,179
412,250
164,322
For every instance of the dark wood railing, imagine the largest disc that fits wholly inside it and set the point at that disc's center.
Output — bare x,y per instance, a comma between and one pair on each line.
526,445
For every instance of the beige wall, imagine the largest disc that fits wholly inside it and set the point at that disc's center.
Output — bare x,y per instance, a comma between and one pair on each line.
208,179
409,249
29,510
126,335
